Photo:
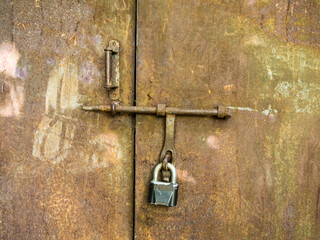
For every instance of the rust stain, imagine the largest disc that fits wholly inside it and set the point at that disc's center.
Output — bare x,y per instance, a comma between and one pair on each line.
64,174
253,173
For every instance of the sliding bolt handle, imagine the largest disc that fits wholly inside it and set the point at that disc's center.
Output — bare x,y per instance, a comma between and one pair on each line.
112,72
112,49
108,68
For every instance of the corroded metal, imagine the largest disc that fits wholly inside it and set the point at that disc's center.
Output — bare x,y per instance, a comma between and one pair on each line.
64,174
168,152
68,175
218,112
112,72
108,67
255,176
166,159
161,110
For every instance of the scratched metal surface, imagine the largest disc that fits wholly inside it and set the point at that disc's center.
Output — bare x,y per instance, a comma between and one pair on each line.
64,173
256,175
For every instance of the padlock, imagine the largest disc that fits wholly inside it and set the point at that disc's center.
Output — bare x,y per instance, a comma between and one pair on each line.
164,193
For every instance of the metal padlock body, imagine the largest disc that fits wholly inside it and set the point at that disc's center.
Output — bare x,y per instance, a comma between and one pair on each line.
163,193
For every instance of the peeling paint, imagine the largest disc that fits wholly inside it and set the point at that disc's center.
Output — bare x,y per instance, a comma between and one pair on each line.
304,96
62,90
54,137
269,111
243,109
213,142
254,40
50,142
9,57
14,100
229,87
88,72
184,176
107,148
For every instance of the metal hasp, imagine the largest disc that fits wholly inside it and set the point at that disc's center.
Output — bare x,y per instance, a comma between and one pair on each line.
168,153
163,193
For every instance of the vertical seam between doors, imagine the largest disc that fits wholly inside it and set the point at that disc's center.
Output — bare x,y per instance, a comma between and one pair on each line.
134,118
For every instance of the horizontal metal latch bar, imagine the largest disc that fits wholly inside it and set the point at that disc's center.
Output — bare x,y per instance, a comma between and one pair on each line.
160,110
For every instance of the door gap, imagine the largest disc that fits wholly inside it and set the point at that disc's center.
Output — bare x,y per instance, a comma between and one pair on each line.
134,119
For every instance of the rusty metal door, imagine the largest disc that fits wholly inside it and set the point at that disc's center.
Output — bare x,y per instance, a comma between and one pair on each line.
256,175
70,174
64,173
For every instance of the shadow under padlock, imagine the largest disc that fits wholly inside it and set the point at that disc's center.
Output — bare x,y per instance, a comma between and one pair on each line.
164,193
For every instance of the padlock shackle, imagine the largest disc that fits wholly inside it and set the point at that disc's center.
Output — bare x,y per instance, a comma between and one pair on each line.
170,167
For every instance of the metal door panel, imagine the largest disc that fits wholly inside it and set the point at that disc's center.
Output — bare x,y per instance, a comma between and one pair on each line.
65,173
256,175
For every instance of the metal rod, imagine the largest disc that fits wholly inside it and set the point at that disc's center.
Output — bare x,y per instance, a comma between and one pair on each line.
153,110
108,67
192,112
